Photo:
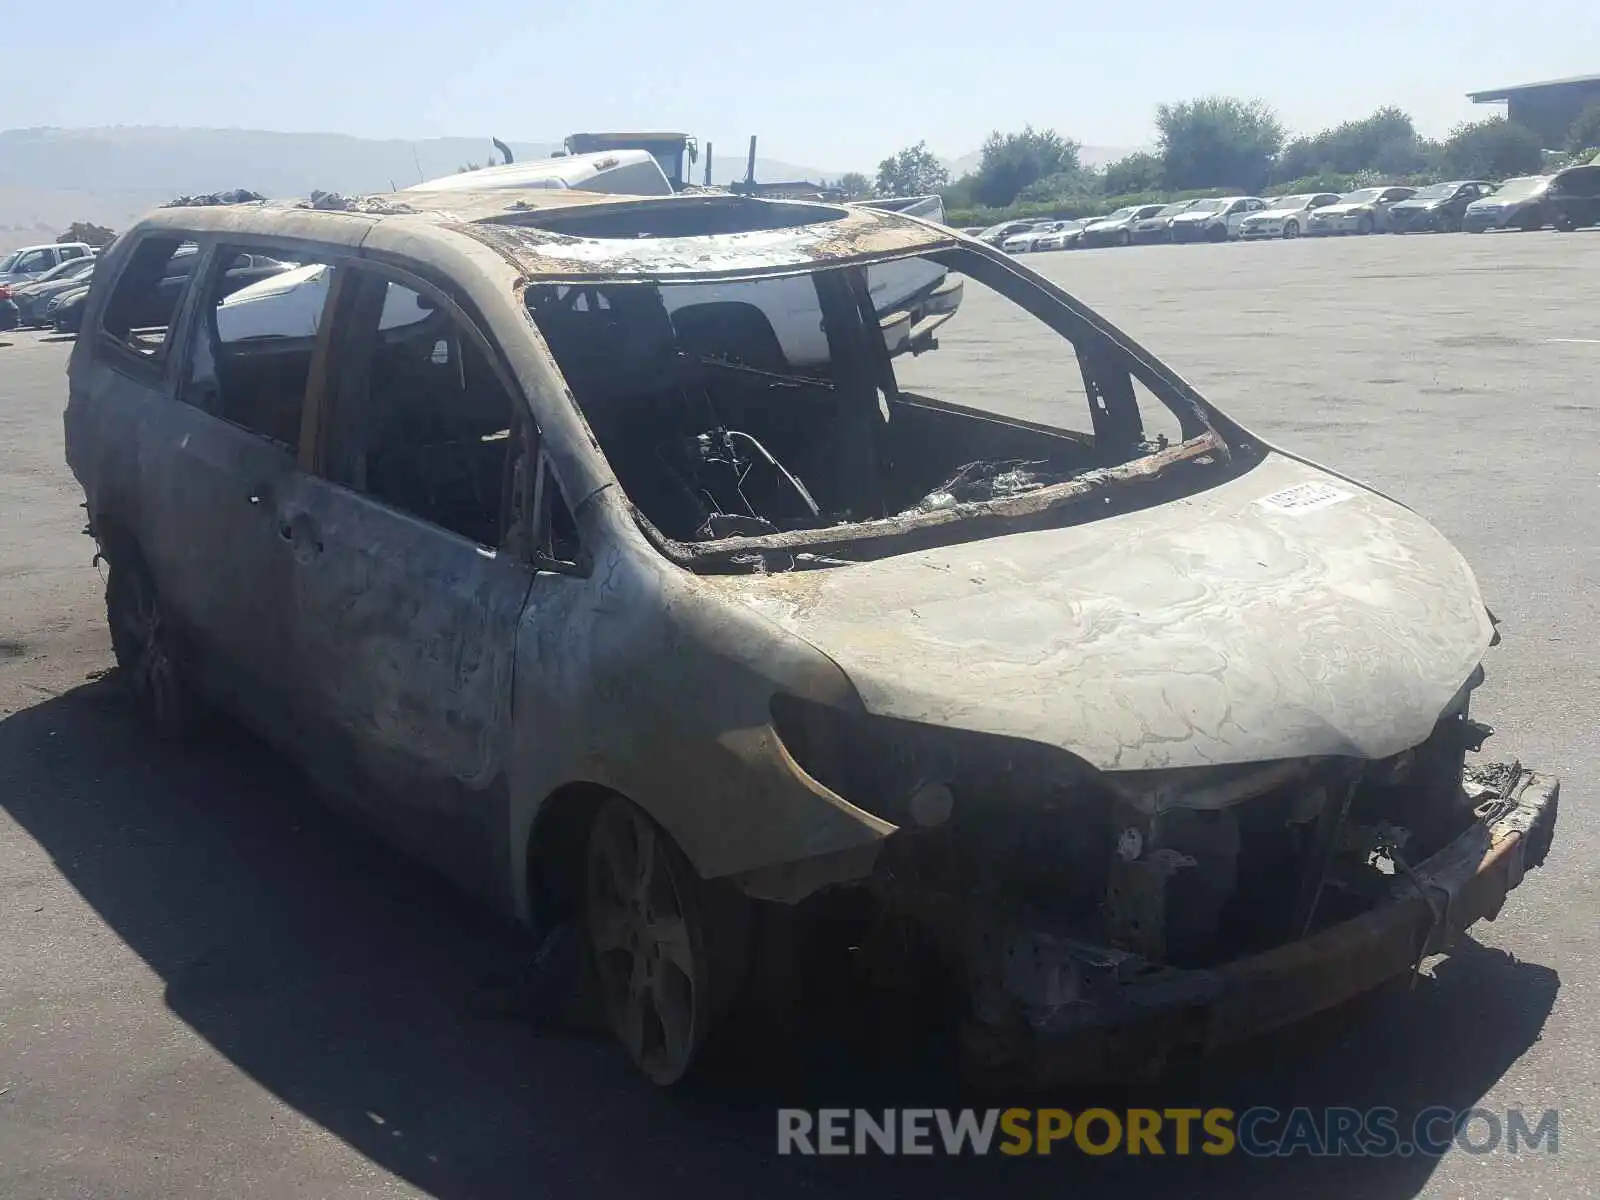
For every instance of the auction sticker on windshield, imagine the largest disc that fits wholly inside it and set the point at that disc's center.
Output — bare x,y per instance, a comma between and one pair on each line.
1305,497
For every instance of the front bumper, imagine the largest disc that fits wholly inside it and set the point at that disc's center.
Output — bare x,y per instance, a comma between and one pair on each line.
1102,238
1252,233
1191,231
1147,237
1137,1024
1326,225
1420,220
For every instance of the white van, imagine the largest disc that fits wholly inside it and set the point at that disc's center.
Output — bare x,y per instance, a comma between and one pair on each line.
616,172
29,262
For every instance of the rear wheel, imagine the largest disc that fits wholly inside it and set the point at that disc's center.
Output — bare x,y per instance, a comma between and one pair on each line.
643,912
144,641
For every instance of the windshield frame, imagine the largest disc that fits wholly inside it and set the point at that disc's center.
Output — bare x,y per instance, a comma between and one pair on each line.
9,262
1207,435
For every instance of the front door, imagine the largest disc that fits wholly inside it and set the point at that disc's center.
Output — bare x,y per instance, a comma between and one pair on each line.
405,599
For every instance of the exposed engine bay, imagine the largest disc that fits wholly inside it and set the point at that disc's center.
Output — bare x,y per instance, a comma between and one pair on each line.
725,416
1052,898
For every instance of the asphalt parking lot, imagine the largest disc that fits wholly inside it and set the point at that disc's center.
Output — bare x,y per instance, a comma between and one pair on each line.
210,988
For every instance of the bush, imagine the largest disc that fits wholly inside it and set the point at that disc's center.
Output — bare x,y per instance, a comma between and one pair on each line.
89,232
914,171
1013,162
1139,172
1493,149
1218,141
1585,134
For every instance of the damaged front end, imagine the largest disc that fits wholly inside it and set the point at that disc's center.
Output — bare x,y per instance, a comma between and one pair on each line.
1103,923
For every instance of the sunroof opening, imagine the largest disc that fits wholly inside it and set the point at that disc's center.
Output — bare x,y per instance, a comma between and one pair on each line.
687,216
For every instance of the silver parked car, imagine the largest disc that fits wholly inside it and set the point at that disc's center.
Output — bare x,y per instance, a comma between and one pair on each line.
551,547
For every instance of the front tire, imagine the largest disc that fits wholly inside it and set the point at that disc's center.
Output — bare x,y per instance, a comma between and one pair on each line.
1291,229
1365,225
643,913
146,646
1217,233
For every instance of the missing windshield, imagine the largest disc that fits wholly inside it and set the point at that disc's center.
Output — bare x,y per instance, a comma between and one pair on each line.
845,414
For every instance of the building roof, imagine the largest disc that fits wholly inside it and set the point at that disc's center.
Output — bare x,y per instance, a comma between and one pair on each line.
1505,93
572,235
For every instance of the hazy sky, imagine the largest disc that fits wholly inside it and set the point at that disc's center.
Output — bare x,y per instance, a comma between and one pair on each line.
835,84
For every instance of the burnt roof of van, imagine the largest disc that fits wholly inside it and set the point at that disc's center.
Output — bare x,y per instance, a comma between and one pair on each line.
568,234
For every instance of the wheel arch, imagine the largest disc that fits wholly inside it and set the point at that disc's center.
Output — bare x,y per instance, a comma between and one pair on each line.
550,878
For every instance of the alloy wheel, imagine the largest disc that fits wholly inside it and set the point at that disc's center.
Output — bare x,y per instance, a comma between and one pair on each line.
644,930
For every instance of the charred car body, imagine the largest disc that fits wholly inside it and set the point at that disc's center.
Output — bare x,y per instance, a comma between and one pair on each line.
1147,734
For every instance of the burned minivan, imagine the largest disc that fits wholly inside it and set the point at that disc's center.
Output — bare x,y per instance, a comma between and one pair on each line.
669,570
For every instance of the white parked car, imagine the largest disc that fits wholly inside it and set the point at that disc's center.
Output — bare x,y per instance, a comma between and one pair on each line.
1214,220
1363,211
1284,216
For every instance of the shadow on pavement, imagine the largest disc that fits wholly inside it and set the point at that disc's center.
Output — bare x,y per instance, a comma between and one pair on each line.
366,994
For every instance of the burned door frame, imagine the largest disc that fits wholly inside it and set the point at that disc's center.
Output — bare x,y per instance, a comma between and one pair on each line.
406,630
206,494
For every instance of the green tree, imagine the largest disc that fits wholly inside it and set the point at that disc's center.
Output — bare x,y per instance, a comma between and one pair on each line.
1217,141
855,185
1139,172
88,231
1013,161
1585,133
914,171
1492,149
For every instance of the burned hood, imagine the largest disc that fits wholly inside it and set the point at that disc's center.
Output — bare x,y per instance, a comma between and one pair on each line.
1284,613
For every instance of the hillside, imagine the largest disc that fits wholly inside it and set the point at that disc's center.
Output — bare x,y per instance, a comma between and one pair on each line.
52,177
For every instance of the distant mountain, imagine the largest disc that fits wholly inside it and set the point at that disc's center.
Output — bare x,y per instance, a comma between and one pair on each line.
1090,156
52,177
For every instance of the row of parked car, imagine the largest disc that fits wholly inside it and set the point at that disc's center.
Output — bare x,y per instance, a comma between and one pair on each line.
33,274
1567,199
